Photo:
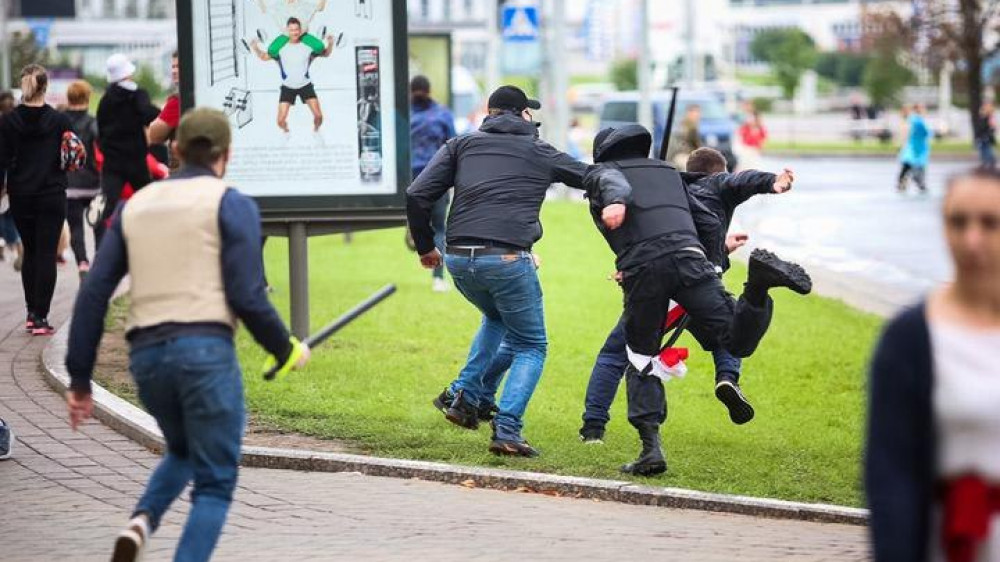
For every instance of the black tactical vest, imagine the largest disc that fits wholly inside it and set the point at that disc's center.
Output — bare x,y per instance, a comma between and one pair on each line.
659,205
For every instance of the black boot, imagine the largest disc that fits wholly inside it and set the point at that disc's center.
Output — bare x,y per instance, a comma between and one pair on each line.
650,461
768,270
462,413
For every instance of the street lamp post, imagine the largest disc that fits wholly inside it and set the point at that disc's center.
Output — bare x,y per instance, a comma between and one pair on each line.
643,70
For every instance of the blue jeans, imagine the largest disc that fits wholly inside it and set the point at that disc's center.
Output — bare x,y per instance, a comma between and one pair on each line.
987,159
8,231
610,367
194,389
507,292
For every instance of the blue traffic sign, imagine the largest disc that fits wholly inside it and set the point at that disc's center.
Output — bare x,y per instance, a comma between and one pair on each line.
520,23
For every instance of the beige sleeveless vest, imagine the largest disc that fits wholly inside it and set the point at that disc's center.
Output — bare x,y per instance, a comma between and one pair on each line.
171,231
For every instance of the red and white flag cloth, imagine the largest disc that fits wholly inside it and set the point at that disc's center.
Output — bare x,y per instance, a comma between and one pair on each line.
669,364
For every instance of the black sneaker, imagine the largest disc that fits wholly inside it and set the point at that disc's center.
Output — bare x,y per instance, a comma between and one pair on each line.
729,393
768,270
487,411
592,434
443,401
504,447
132,540
462,413
42,328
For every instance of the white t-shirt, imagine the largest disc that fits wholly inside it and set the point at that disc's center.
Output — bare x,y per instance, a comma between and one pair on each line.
966,402
282,10
295,64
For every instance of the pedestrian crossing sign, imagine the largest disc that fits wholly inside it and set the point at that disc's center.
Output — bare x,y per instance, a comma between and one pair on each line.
520,23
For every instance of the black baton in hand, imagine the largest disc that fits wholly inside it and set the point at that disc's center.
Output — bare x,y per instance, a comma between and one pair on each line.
333,327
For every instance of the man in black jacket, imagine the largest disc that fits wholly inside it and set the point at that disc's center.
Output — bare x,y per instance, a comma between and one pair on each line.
720,192
500,175
662,257
122,117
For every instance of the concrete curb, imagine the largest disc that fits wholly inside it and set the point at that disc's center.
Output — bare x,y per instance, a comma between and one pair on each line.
136,424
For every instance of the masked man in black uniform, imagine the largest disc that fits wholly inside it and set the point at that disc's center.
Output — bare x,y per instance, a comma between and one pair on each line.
666,249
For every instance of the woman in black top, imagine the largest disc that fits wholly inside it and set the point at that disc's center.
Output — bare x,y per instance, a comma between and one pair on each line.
30,154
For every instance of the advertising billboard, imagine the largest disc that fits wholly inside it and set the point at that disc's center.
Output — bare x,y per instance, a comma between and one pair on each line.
316,94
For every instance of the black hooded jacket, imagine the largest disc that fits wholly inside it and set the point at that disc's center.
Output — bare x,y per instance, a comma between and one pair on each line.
500,174
122,118
627,148
30,150
722,193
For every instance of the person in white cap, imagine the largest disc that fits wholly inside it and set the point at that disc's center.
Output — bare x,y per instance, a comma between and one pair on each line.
122,117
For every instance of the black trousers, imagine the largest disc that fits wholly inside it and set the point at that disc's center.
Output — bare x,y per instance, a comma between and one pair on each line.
39,220
717,321
75,211
112,182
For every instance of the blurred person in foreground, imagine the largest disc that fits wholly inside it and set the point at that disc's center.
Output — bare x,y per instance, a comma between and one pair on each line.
185,300
932,461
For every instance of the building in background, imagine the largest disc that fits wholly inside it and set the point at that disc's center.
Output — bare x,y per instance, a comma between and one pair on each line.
88,31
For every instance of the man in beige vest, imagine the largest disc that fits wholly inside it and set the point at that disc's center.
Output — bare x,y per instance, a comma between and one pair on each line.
192,248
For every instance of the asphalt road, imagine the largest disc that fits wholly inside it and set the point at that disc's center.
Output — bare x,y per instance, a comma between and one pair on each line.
861,239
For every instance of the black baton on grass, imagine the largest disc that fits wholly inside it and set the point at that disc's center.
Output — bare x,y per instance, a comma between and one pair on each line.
333,327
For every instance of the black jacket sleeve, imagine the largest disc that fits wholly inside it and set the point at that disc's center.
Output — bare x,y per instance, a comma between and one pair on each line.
565,169
87,325
735,189
8,147
899,457
606,185
710,230
243,274
436,179
147,111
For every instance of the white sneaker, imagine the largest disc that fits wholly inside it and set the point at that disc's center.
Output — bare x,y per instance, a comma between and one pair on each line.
439,285
132,540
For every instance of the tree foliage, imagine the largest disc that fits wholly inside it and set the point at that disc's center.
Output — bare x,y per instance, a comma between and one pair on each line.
624,74
789,51
885,78
846,69
24,51
962,32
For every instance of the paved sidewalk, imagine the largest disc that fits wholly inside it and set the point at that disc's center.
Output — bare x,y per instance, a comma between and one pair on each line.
64,495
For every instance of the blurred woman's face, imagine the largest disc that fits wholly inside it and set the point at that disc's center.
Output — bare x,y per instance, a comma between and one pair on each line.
972,227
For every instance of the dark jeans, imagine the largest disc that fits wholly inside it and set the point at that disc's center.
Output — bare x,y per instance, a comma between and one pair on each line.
8,231
112,182
506,290
39,220
609,368
194,389
717,321
918,173
75,211
987,158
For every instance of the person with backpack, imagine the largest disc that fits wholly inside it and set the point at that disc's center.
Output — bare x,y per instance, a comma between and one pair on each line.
84,184
35,141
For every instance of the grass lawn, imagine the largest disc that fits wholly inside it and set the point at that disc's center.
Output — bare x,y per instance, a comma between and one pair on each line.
372,384
948,147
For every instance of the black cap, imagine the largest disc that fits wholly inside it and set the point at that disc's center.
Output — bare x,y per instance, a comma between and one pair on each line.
513,98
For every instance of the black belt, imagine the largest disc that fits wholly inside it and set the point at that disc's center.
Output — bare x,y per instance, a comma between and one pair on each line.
472,251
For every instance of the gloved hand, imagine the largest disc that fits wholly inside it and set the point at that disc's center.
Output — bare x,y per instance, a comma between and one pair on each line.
297,359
